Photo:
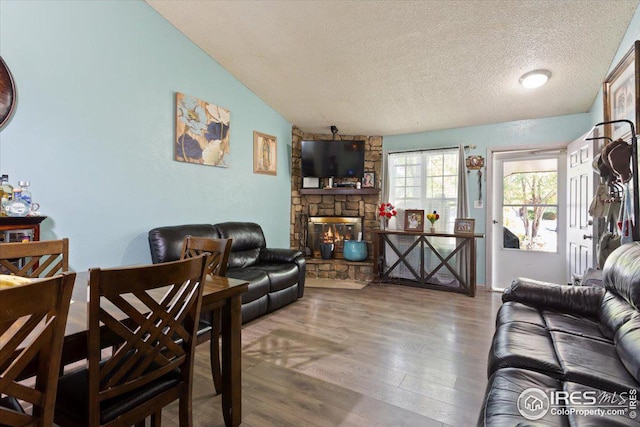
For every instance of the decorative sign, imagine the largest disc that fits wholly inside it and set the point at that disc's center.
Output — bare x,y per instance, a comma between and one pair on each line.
475,162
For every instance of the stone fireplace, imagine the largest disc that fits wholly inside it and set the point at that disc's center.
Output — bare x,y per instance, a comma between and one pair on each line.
338,203
332,229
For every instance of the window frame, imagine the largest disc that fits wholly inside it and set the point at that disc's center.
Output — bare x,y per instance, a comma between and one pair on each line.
446,204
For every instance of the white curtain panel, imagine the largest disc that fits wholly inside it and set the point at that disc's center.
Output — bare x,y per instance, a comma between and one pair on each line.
463,212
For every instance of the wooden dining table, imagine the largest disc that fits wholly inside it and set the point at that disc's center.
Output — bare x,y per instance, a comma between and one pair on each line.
219,293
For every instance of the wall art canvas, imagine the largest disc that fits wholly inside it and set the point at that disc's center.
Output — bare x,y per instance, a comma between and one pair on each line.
202,132
621,95
265,153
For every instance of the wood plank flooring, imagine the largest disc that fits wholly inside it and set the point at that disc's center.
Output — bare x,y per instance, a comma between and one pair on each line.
384,355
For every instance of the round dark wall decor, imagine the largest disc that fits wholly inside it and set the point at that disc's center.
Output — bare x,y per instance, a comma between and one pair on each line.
7,94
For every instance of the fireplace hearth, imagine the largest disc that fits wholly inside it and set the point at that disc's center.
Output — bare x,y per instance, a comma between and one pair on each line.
332,229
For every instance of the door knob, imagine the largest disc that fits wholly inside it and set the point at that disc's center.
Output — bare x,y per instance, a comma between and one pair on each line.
495,222
587,236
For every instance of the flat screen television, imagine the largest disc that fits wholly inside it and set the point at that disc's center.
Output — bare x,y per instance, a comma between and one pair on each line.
339,159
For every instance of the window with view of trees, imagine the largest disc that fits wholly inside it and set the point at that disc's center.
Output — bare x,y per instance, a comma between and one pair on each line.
425,180
530,203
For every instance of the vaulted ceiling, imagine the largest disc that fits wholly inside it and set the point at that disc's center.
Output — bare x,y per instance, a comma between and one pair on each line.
393,67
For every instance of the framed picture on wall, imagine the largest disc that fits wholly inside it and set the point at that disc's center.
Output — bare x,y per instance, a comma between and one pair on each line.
202,132
264,153
414,220
464,226
620,95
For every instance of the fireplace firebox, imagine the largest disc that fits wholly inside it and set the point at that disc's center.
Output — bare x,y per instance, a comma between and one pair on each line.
332,229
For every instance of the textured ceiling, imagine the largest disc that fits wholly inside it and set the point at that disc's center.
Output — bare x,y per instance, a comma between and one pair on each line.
393,67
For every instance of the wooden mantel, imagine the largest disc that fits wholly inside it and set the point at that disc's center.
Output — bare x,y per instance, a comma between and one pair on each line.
337,191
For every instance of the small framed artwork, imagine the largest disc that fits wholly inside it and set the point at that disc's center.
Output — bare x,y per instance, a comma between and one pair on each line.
310,182
265,149
369,180
620,95
464,226
475,162
414,220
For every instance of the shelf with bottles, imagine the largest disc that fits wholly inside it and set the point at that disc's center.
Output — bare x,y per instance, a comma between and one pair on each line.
16,201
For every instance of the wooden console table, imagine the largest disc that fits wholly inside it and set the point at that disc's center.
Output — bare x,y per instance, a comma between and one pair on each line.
421,245
11,223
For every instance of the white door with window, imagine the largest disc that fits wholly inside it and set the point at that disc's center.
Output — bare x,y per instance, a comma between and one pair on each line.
528,237
581,238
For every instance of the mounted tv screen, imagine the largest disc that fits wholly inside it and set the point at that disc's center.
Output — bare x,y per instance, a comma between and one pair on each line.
340,159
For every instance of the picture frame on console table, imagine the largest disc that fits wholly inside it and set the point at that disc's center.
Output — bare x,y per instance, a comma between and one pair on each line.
414,220
265,150
621,93
464,226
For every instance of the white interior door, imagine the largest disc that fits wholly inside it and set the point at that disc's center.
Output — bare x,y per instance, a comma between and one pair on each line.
581,239
528,236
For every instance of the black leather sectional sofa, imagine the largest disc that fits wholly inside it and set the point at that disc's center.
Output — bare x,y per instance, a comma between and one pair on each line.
275,276
579,345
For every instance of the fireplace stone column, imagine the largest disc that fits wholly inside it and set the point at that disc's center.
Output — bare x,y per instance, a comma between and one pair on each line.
364,206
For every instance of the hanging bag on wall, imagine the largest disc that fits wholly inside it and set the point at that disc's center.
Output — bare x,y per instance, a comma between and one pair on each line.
598,206
626,225
620,161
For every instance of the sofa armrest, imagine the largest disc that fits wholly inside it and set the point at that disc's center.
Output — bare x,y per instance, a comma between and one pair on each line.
584,300
279,255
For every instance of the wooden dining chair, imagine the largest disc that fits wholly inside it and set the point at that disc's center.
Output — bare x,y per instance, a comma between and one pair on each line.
35,259
32,324
143,308
210,323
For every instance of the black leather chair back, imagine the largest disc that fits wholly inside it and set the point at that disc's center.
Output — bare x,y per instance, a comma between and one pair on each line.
166,242
248,241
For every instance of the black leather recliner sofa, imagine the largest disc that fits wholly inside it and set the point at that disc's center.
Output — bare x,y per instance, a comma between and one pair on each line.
579,345
275,276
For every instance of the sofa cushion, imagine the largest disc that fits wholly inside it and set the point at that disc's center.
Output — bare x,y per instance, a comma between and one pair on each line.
523,345
248,240
258,282
166,242
591,362
500,406
281,276
621,273
573,324
517,312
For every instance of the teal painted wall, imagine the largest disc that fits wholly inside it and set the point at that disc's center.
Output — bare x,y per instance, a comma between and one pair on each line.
94,128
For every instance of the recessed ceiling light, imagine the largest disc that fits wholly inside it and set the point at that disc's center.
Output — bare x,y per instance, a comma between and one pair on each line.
534,79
